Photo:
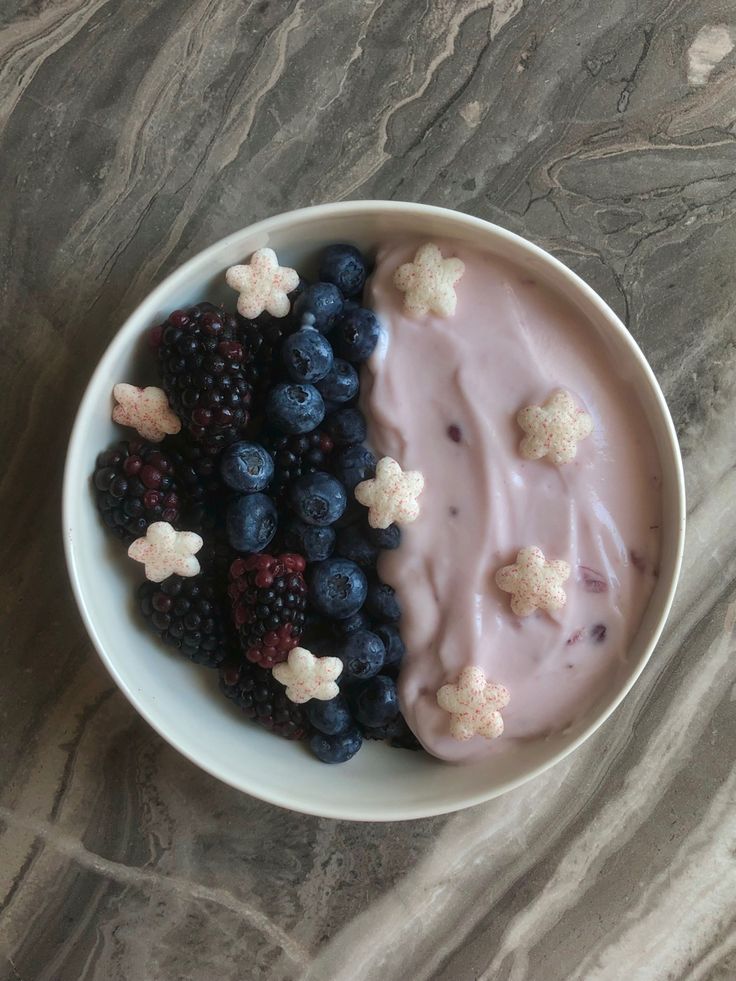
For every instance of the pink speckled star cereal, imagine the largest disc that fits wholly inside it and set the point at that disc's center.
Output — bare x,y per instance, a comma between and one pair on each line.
146,410
554,429
428,282
166,552
474,704
263,285
391,496
534,583
306,676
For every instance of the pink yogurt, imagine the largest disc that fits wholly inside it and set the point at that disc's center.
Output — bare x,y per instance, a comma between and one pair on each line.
441,396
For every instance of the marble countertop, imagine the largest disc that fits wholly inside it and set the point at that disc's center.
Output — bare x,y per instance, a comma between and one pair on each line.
136,133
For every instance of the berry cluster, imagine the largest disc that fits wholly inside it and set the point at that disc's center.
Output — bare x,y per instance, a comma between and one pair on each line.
264,470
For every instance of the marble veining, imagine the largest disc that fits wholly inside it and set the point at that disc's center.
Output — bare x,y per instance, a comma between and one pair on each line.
134,134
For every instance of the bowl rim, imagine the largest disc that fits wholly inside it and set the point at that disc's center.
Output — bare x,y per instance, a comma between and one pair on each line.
76,448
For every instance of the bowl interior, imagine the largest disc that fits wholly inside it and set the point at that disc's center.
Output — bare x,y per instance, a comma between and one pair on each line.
180,700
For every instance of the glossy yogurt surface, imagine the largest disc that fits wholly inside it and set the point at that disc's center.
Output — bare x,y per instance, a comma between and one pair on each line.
441,397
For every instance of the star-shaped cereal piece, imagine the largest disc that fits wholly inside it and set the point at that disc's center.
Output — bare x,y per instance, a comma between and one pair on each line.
429,282
534,583
263,285
147,410
166,552
306,676
474,704
391,496
553,429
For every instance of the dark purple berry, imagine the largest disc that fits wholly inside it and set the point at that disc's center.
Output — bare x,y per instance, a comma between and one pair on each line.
128,503
321,301
202,365
329,717
352,544
388,538
356,335
344,266
346,426
340,384
295,456
353,465
381,602
376,702
196,622
362,654
337,588
318,499
294,408
598,633
338,748
257,693
269,598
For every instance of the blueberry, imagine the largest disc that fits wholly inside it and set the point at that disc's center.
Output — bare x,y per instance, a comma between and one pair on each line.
381,602
352,544
397,733
354,512
318,498
346,426
314,543
316,636
344,266
330,717
354,464
337,588
298,290
251,522
246,467
340,384
358,621
598,633
294,409
307,355
336,749
392,642
377,702
324,302
356,335
388,538
363,655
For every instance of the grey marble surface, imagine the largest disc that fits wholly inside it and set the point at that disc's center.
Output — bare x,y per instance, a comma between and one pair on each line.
134,134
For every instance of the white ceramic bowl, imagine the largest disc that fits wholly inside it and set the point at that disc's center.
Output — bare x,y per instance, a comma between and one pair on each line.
180,700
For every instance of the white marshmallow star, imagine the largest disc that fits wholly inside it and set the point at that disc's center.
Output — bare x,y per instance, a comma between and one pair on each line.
391,496
429,281
474,704
147,410
306,676
166,552
553,429
263,285
534,583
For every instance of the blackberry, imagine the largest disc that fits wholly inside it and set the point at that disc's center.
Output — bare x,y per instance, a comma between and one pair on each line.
263,699
188,614
135,486
295,456
202,362
263,339
269,598
215,556
196,469
204,501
